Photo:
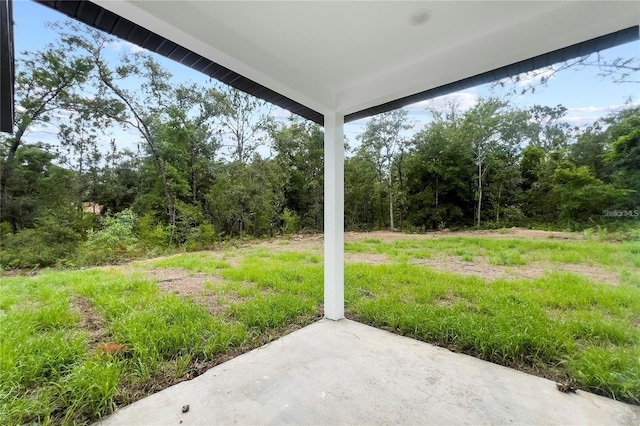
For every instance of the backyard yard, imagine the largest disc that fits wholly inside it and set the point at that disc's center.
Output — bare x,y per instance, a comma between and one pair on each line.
74,345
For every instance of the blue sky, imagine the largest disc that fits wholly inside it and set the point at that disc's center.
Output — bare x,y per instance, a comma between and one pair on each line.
586,95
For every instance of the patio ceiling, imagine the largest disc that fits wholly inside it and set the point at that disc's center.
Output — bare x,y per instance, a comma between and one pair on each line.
357,58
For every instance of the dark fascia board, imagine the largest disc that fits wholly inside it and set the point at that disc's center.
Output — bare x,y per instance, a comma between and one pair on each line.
105,20
7,70
560,55
98,17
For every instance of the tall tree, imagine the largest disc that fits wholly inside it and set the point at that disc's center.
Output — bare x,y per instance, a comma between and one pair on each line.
144,106
196,110
79,151
546,128
481,126
440,172
384,138
245,121
46,81
299,151
360,188
623,151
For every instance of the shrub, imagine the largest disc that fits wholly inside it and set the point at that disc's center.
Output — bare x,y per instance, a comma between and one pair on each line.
115,242
290,222
151,235
201,237
47,244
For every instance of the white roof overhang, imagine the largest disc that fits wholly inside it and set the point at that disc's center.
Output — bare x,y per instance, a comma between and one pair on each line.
351,57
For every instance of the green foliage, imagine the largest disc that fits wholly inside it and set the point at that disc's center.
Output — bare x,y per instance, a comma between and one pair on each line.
151,235
299,145
49,243
247,198
290,222
624,152
582,196
116,241
201,237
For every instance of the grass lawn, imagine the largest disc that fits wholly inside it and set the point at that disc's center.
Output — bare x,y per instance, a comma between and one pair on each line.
74,345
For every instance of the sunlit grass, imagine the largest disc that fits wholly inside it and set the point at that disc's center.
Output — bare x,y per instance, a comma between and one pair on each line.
196,262
560,325
508,251
550,324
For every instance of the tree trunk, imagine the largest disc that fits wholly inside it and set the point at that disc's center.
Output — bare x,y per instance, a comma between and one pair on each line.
401,191
479,192
171,208
391,204
142,127
6,171
437,192
192,166
498,204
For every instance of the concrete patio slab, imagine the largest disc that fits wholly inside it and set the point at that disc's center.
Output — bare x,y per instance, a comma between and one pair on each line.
344,372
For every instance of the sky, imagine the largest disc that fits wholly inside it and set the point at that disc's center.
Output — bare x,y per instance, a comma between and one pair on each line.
586,95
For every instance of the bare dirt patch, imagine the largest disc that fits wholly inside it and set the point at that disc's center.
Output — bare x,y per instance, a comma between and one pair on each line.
195,287
368,258
480,267
91,321
591,272
189,285
299,243
180,281
388,236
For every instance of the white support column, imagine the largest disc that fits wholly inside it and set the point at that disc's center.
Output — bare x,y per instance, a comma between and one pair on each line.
334,216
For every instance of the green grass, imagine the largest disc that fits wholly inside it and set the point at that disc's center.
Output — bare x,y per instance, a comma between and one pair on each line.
508,251
197,262
51,371
562,325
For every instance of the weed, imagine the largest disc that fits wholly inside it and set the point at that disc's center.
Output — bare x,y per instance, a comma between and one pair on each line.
466,257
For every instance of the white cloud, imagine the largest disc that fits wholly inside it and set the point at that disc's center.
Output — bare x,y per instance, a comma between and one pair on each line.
119,44
587,115
601,110
279,113
580,120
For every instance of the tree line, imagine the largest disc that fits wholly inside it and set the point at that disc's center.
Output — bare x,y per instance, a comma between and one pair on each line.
212,164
